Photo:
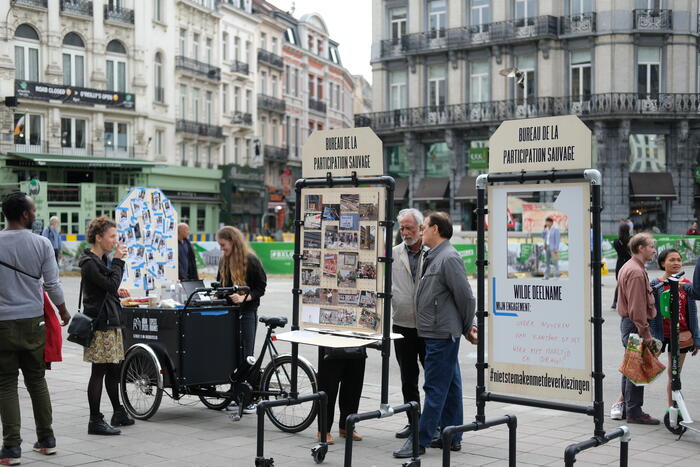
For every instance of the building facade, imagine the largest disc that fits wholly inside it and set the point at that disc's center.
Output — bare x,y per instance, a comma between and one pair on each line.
361,96
628,69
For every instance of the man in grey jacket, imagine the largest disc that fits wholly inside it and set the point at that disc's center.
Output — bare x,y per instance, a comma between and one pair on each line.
409,350
444,312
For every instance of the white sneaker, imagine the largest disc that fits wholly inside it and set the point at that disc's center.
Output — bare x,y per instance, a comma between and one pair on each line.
252,408
616,410
233,406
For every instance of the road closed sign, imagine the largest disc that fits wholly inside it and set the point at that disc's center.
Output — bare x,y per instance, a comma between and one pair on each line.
540,144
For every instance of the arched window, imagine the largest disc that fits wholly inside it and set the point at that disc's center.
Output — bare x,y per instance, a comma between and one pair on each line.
158,78
26,53
116,66
73,60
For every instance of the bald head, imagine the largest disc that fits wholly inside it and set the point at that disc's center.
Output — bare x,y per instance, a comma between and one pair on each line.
183,231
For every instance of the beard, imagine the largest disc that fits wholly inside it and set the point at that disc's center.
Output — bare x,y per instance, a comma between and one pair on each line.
409,241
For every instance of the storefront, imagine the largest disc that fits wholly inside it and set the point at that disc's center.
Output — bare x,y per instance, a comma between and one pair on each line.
650,197
243,192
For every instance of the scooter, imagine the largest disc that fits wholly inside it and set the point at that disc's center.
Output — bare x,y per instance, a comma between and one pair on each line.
677,419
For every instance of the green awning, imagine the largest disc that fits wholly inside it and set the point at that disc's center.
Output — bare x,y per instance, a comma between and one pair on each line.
82,161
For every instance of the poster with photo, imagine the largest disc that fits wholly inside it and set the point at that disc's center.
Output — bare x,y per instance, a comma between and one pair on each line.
312,258
143,227
330,265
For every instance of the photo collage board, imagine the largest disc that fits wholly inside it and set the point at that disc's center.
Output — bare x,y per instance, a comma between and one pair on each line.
340,276
147,224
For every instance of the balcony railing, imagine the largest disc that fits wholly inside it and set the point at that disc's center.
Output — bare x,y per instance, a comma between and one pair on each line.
272,104
480,113
77,7
38,147
239,67
584,23
118,14
653,20
34,3
242,118
270,58
317,105
119,152
276,153
86,150
537,27
195,66
201,129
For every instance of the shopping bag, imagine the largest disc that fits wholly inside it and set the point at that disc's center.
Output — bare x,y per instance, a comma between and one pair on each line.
639,364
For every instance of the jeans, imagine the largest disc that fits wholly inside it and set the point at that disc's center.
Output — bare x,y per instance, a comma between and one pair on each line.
443,389
249,325
549,257
22,348
634,395
409,351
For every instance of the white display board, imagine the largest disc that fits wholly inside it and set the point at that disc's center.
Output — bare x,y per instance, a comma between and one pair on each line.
539,331
147,224
340,277
342,152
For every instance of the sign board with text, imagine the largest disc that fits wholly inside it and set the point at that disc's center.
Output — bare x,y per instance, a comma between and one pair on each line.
540,144
342,152
539,331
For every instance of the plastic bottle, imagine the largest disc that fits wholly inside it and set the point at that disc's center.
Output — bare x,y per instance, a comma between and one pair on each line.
180,292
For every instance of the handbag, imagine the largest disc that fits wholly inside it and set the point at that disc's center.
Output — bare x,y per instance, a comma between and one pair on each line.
685,339
81,329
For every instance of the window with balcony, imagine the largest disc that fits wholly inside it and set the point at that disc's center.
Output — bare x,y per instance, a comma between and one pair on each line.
246,52
526,89
248,100
183,42
274,85
116,139
263,129
397,23
319,88
209,107
224,98
437,85
580,7
26,53
237,98
237,48
398,90
183,155
479,82
27,133
224,46
195,46
648,72
183,102
210,165
263,82
195,148
312,91
160,136
209,46
73,60
195,104
158,11
73,135
525,12
437,18
580,75
275,46
159,93
479,15
116,66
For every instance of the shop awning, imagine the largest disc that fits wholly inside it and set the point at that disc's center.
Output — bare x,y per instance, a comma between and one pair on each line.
467,189
81,161
652,185
431,188
401,189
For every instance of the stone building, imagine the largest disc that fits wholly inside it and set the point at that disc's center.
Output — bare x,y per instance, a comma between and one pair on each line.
628,69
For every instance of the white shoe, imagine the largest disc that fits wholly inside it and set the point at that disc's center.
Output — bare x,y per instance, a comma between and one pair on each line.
616,410
252,408
233,406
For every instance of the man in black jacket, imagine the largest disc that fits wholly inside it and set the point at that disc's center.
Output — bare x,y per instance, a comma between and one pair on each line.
187,265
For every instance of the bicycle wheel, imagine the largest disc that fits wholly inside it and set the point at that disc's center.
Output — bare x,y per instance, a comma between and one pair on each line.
277,379
217,403
139,384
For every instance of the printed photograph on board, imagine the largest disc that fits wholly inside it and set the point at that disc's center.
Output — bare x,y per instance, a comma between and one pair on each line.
311,277
331,212
366,270
348,260
338,316
368,212
368,237
310,295
347,278
331,239
348,297
312,258
350,202
312,221
330,264
369,319
329,296
312,239
347,240
310,314
313,203
349,221
368,299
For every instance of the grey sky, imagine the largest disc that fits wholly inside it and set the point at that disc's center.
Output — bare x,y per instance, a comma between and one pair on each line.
349,23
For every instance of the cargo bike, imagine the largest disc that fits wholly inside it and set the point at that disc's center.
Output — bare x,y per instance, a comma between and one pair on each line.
196,351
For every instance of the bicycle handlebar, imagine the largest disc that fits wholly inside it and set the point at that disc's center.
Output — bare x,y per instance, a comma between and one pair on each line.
675,276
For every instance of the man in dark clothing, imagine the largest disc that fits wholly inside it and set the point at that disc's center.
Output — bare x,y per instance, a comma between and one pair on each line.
187,265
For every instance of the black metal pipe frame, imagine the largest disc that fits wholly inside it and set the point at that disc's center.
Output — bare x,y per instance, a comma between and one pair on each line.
622,432
449,433
674,307
262,407
597,320
353,419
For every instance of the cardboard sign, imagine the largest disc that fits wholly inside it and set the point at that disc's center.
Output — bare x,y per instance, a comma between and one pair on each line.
540,144
342,152
539,341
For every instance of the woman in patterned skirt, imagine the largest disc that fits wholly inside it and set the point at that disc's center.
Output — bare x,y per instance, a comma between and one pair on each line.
101,278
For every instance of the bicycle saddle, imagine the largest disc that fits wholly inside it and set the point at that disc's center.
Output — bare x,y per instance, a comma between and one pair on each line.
273,321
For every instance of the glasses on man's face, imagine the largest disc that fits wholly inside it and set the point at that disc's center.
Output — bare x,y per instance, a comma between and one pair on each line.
423,227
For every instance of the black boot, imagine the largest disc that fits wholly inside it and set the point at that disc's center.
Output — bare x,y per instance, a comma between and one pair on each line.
121,418
98,426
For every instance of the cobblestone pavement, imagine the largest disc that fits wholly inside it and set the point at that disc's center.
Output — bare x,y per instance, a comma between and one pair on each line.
186,433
